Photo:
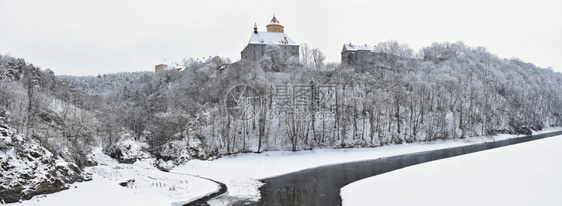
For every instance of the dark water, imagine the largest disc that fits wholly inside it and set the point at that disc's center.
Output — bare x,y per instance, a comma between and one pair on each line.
321,185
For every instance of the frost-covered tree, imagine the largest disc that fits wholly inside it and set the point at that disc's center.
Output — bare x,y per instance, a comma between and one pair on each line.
317,58
444,91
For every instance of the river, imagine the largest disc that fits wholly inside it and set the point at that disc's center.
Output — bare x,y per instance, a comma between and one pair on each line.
321,185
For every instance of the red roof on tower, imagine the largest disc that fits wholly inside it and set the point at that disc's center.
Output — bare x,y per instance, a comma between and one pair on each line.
274,21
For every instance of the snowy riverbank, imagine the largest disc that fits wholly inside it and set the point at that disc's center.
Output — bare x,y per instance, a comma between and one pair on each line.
241,173
150,187
521,174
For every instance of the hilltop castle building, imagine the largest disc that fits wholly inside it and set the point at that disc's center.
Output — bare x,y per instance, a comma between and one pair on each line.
359,54
275,35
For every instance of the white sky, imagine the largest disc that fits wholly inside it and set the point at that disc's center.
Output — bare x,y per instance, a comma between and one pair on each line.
106,36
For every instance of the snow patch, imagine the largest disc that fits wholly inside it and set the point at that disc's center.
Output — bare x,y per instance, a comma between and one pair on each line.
146,186
521,174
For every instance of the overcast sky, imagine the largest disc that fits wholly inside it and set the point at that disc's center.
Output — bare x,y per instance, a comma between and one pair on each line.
107,36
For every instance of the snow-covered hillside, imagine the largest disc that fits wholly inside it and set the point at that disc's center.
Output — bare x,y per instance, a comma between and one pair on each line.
521,174
409,102
29,169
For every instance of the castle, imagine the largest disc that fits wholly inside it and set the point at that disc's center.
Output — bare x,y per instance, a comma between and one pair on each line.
275,35
256,49
359,54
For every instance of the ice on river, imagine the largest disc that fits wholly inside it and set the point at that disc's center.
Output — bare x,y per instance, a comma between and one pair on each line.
520,174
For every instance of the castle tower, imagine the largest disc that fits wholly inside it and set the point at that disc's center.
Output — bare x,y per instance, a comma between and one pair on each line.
275,26
255,28
275,35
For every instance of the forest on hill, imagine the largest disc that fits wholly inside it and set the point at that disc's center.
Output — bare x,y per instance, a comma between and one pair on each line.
443,91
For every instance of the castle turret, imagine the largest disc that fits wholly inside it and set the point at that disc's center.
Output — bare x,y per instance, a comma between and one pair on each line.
275,26
275,35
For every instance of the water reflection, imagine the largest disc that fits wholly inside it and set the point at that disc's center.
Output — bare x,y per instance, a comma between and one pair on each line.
321,185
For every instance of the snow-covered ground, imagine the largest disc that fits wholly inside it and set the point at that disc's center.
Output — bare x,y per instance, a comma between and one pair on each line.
241,173
521,174
150,187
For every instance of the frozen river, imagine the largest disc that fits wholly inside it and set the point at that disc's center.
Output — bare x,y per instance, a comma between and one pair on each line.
321,185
